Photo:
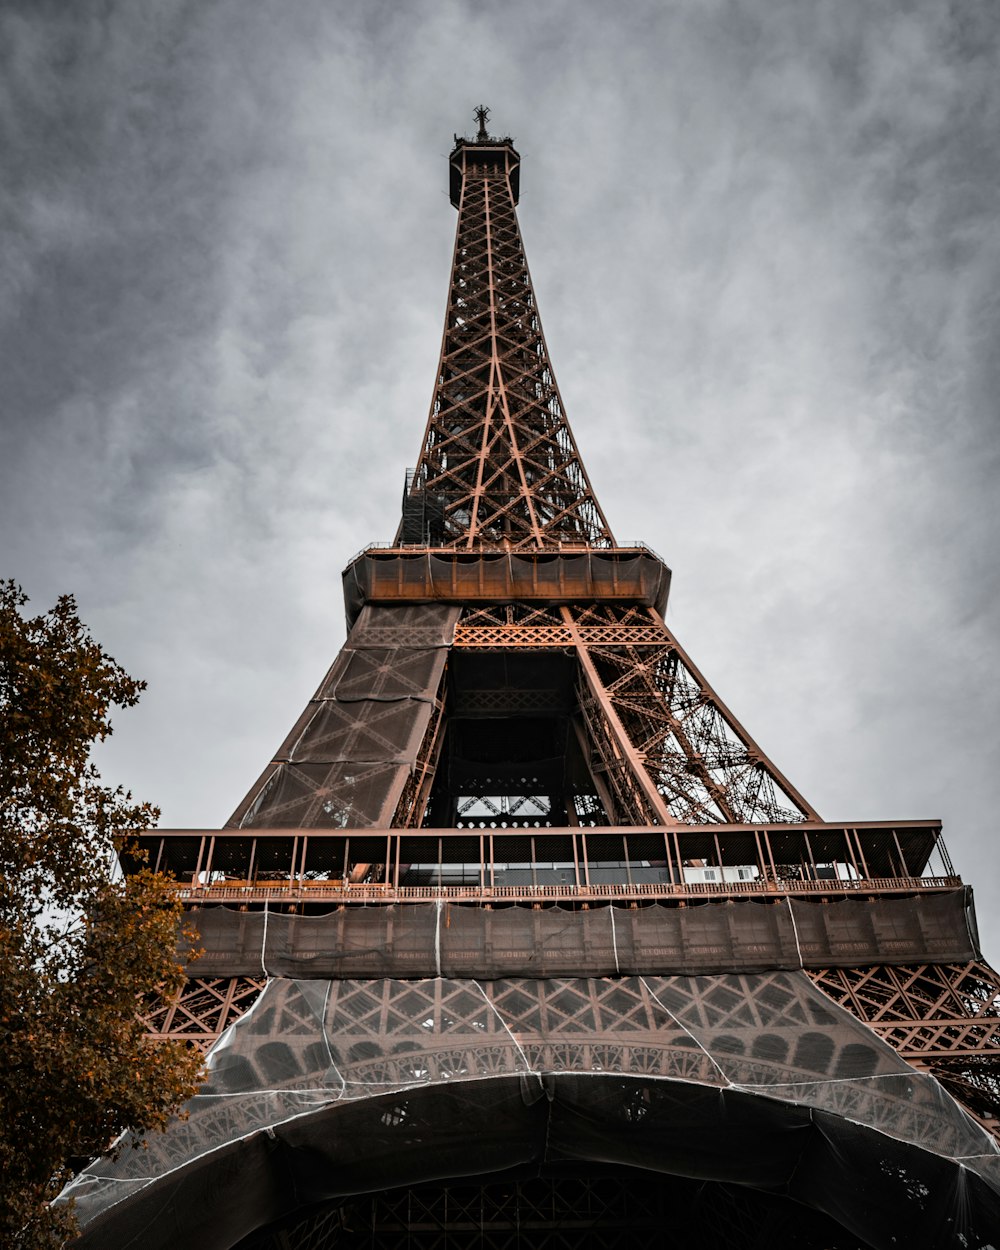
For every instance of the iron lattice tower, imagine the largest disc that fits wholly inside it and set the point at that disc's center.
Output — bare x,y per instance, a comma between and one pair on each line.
520,939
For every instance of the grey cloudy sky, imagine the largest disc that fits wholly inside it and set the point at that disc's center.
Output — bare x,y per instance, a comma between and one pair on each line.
764,240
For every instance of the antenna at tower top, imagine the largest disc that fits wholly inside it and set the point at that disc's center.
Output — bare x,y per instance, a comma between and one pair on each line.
482,115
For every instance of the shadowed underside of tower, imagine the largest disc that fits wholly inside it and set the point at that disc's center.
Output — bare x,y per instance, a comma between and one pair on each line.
520,939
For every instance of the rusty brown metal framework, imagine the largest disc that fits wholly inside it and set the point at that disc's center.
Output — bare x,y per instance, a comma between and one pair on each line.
204,1009
512,754
943,1018
669,749
499,464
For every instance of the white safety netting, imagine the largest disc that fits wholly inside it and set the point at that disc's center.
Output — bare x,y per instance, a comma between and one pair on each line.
328,1088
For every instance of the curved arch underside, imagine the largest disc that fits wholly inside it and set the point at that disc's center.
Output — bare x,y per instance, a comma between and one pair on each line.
327,1090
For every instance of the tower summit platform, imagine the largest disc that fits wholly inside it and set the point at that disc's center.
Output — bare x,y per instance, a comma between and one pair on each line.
483,152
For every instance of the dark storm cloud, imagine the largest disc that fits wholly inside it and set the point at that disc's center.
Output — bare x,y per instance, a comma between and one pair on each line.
764,241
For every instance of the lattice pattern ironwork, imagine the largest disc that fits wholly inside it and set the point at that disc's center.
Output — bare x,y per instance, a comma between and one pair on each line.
974,1081
925,1010
203,1010
310,1044
755,1079
499,464
944,1018
702,761
941,1017
664,747
513,626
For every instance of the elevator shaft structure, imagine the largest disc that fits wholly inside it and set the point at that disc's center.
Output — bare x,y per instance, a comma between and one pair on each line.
520,939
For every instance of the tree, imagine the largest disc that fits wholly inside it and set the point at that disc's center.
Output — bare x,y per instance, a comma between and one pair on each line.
81,945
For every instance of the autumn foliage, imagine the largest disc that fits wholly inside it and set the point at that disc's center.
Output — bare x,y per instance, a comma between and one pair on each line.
81,947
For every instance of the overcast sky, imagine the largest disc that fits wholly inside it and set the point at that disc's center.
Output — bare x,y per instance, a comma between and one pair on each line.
764,240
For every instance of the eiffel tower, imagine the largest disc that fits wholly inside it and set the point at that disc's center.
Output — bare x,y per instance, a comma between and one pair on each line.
520,939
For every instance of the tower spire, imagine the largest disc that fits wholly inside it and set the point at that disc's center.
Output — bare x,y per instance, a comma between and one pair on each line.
499,466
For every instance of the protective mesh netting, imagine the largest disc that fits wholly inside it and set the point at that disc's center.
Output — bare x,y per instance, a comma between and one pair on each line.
441,939
331,1088
345,762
